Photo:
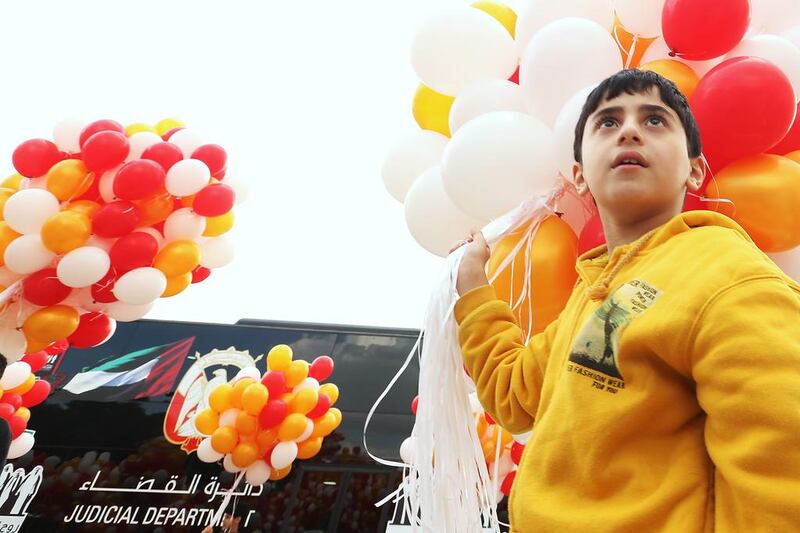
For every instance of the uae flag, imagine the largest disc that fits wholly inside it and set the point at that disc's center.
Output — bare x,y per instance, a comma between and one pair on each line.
140,374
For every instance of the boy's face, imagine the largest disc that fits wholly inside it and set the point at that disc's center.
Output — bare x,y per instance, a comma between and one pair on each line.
635,158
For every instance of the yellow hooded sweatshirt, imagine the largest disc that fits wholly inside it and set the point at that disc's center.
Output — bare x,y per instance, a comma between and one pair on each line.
666,397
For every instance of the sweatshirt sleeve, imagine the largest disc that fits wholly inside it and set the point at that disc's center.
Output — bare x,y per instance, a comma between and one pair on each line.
508,374
746,364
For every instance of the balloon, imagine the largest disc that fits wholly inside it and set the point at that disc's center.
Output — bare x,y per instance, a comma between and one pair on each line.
777,50
772,16
84,207
213,155
678,73
592,235
6,411
200,274
15,400
122,312
791,141
27,254
508,481
216,226
43,288
640,17
178,257
331,391
98,126
584,49
38,394
17,426
553,253
164,153
51,323
7,235
177,284
65,231
415,404
105,150
238,390
279,357
26,211
207,453
409,158
224,439
304,401
239,187
94,329
431,109
220,398
500,12
69,179
105,185
167,124
322,406
12,182
187,140
140,286
35,360
484,97
743,90
704,29
461,46
257,473
184,224
83,266
254,398
275,382
134,250
765,190
540,13
407,450
139,179
34,158
564,131
216,252
321,368
516,452
206,421
139,142
245,454
214,200
273,413
138,127
280,473
283,454
496,161
23,412
67,133
432,218
309,448
246,424
15,375
116,219
296,373
155,209
12,344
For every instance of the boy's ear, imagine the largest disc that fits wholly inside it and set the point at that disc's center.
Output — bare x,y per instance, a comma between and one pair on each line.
580,181
697,173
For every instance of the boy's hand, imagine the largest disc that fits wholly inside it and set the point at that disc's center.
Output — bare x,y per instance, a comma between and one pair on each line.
472,271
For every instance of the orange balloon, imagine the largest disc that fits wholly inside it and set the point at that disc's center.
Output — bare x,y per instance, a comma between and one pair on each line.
331,391
178,257
625,43
297,372
245,454
13,181
794,156
238,391
292,427
177,284
34,346
678,73
24,413
266,440
280,473
304,401
66,231
69,179
553,254
324,425
86,207
482,426
25,386
6,236
52,323
5,194
155,209
220,398
246,424
287,398
224,439
309,448
206,421
254,398
216,226
765,191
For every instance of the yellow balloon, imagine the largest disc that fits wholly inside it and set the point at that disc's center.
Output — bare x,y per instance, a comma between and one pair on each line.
138,127
5,194
309,448
163,126
52,323
6,236
25,386
206,421
324,425
292,427
331,391
254,398
304,401
65,231
224,439
178,257
296,373
280,473
279,357
86,207
246,424
24,413
244,454
432,110
220,398
678,73
500,12
177,284
337,414
69,179
13,181
238,390
216,226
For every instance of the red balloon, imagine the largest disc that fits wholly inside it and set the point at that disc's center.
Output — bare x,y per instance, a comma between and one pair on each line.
13,399
214,200
98,126
508,481
115,219
139,179
60,346
170,133
6,411
134,250
489,419
34,158
36,360
37,394
516,452
273,413
44,288
321,368
200,274
105,150
515,77
214,156
323,404
742,91
275,382
704,29
165,154
790,141
103,290
415,404
17,425
692,202
94,328
592,235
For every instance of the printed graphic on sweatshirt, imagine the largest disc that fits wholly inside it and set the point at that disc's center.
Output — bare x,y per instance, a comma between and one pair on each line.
596,346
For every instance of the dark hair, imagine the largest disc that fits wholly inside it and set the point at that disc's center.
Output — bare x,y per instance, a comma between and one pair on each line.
633,81
3,364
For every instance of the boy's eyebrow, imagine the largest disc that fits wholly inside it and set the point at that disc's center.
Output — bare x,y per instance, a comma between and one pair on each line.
652,108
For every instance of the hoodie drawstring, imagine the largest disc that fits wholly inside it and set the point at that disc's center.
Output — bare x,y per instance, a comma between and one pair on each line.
599,290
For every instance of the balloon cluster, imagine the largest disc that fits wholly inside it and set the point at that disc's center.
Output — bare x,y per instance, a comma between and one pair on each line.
102,222
500,95
261,424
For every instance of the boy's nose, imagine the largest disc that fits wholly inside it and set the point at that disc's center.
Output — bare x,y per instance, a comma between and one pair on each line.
629,133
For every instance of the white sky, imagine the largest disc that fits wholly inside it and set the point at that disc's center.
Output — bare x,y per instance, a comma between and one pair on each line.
306,96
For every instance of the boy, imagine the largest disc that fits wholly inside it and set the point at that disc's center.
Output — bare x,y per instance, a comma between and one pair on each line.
666,397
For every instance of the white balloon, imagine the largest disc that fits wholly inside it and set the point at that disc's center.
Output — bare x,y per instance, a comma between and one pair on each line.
308,383
789,262
228,417
483,97
496,162
257,473
83,299
187,177
239,187
139,142
407,450
184,224
33,183
215,252
773,16
140,286
207,453
432,218
539,13
564,131
793,35
409,158
247,372
21,445
522,438
229,465
777,50
658,49
106,184
187,140
67,134
283,454
12,343
100,242
27,254
122,312
15,375
83,266
461,46
153,232
26,211
640,17
307,433
562,58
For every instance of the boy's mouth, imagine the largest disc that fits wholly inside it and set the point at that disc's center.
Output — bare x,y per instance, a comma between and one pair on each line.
629,159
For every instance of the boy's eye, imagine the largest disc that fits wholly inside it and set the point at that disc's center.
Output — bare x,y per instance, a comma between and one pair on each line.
655,120
606,123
